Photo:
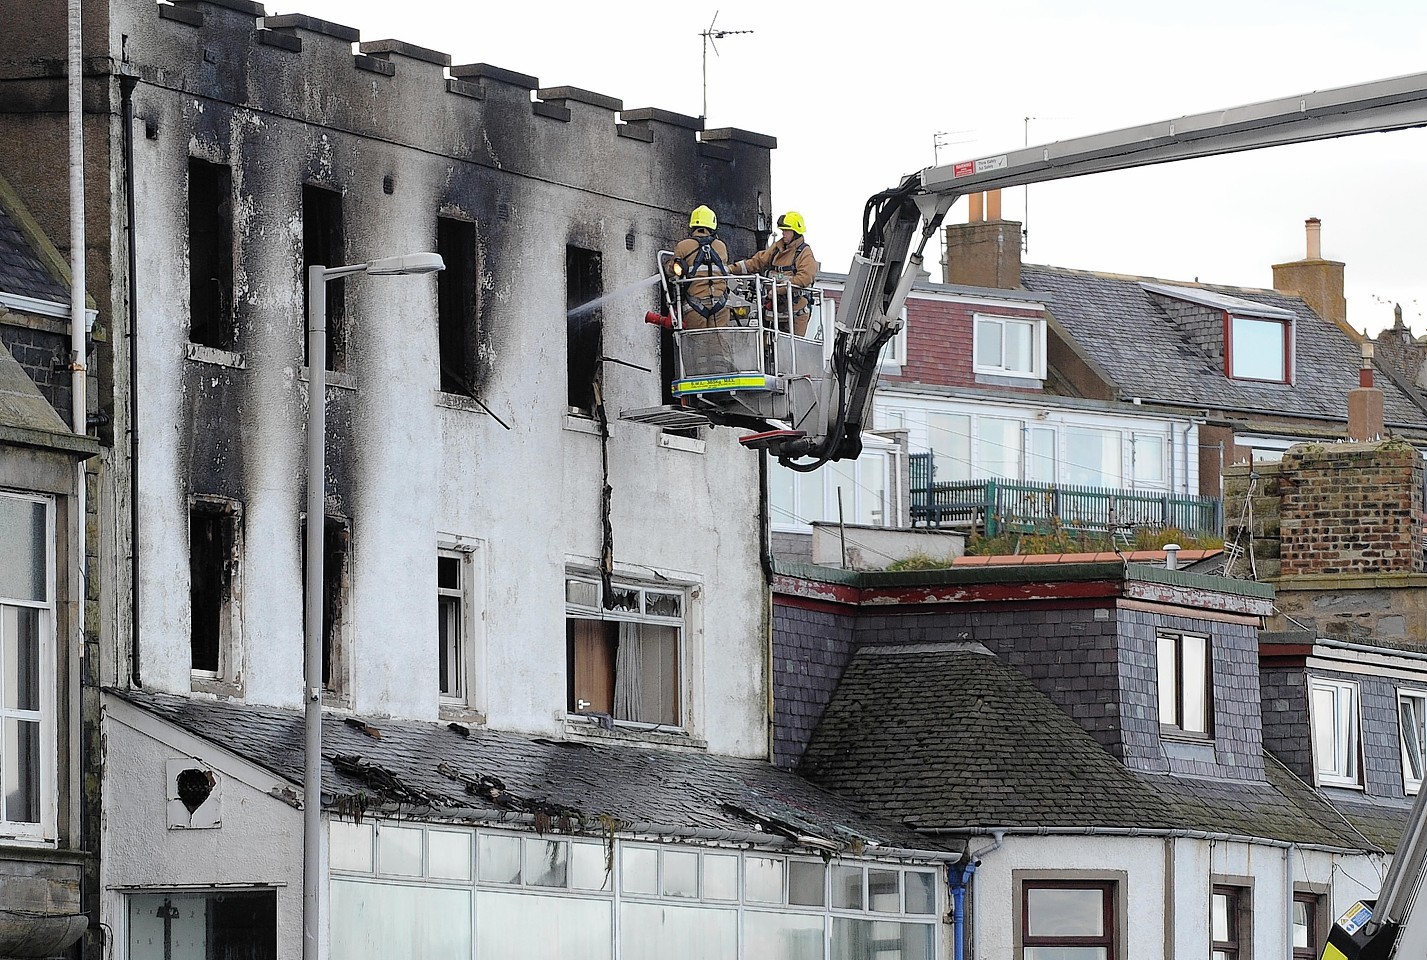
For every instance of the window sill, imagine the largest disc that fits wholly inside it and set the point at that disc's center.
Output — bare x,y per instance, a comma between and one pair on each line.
458,401
343,381
673,441
219,358
216,686
579,423
582,727
461,714
1339,785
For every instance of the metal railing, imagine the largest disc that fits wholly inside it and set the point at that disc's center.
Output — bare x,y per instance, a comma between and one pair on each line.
999,505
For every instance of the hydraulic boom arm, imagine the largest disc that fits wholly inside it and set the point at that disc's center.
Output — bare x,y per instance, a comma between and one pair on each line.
886,265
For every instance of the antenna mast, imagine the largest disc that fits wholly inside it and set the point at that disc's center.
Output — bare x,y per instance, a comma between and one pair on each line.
710,34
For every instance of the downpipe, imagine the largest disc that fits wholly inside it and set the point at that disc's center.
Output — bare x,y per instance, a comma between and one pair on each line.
959,877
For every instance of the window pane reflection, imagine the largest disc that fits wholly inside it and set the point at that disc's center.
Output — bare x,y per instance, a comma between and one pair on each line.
394,920
921,892
399,851
763,880
847,888
783,936
806,883
513,925
449,854
1064,912
349,846
666,932
22,531
681,874
720,877
20,668
639,870
588,870
499,858
882,940
21,753
545,862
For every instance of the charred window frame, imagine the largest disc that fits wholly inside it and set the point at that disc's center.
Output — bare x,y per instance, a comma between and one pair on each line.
324,243
336,580
625,651
215,586
211,320
210,926
584,338
458,292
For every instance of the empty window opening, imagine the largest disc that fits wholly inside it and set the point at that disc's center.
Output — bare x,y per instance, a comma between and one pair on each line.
584,325
204,926
210,255
336,543
213,577
458,304
624,655
323,243
451,578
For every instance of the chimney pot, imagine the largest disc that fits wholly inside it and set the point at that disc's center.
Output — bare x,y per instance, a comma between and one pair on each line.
993,204
976,210
1171,556
1314,228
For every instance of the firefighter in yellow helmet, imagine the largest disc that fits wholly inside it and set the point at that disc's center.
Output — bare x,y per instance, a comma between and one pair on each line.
701,255
788,262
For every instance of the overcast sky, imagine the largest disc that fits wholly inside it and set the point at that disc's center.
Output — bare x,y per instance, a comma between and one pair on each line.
857,99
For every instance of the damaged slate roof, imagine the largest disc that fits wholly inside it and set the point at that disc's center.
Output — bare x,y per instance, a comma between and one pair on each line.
1123,327
974,743
489,775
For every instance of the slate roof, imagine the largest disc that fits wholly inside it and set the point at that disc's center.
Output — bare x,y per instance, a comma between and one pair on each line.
974,743
1117,322
488,775
22,272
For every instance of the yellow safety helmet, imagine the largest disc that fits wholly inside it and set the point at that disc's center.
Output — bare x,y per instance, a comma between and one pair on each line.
703,217
792,220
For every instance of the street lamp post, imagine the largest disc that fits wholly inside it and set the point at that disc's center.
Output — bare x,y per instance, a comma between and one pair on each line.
317,278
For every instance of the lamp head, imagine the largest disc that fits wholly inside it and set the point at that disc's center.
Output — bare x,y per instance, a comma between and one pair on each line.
407,263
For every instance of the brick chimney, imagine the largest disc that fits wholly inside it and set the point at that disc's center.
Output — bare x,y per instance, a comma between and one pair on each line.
1365,403
984,253
1319,282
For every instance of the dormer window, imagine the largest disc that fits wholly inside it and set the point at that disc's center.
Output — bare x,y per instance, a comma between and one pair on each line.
1010,346
1258,349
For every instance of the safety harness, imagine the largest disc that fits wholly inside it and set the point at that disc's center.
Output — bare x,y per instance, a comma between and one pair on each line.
792,267
706,258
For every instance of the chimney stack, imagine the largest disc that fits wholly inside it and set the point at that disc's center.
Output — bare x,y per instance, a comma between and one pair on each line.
1319,282
1365,403
984,252
1314,228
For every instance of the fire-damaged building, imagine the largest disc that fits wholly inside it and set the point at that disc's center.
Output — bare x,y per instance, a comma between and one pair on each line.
544,630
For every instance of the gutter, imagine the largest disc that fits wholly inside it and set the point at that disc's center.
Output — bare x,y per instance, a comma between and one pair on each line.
1177,833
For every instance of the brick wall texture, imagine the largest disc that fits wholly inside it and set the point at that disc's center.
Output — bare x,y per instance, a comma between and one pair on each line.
1351,508
939,342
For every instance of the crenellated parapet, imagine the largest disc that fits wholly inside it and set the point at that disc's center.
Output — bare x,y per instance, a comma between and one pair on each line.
299,68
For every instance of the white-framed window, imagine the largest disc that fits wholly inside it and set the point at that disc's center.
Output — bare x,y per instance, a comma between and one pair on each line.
1093,457
1184,683
1412,717
1260,349
27,668
999,442
1009,346
460,596
625,651
894,352
398,886
1333,707
861,488
1148,455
